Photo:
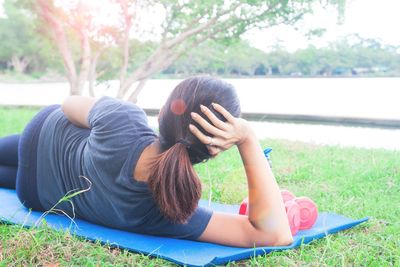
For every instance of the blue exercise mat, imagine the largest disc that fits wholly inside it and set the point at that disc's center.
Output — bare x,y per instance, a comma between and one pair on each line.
183,252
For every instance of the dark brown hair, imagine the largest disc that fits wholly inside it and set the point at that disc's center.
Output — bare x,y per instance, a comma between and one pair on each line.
174,183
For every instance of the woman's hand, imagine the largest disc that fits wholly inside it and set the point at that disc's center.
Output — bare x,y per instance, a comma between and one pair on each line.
235,131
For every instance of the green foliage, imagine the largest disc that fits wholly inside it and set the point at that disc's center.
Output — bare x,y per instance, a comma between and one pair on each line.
16,32
22,41
185,25
25,36
139,52
240,59
236,58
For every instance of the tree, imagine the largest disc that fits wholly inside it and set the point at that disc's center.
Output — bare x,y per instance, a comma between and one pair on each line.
351,55
185,25
20,44
213,57
277,61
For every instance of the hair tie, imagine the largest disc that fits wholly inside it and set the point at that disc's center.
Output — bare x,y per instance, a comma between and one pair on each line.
184,142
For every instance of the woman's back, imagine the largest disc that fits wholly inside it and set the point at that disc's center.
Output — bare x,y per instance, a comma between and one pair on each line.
105,155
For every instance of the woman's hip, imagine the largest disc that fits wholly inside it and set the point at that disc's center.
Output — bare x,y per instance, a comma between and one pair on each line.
26,184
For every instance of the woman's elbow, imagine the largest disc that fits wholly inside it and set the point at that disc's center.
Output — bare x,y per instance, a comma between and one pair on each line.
283,240
271,240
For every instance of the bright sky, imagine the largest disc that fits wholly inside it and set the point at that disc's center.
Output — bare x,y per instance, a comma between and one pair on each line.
377,19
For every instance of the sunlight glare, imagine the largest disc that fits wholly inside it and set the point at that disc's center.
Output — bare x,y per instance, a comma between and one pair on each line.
147,18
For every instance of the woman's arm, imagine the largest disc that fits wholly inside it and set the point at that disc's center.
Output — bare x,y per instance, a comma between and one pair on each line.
77,108
267,223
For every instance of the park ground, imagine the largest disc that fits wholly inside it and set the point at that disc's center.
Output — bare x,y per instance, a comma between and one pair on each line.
349,181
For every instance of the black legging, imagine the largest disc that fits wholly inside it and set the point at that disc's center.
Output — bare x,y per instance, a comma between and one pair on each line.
18,160
9,160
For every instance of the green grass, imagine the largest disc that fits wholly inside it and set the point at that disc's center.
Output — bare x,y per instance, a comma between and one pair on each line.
353,182
13,77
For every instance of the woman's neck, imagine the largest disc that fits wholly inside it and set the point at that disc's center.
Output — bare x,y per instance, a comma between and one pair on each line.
143,166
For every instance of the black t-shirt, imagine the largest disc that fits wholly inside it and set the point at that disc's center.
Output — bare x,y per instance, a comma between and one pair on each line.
106,155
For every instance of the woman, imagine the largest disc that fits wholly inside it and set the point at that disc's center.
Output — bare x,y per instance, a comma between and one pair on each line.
137,181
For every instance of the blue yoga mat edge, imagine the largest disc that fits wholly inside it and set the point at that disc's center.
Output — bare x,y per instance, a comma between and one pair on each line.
182,252
253,252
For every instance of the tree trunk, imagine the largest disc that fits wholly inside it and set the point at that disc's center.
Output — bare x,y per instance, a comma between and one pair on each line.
133,97
45,10
124,86
92,72
91,86
74,88
124,5
84,70
19,64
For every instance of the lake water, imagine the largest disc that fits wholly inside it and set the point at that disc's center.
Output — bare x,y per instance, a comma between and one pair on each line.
344,136
343,97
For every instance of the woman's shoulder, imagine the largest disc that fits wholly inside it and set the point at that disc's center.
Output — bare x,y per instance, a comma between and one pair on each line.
115,110
112,102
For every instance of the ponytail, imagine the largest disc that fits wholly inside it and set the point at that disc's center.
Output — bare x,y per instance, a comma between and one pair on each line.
175,185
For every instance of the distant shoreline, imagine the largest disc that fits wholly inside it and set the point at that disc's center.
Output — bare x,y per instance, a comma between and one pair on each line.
284,118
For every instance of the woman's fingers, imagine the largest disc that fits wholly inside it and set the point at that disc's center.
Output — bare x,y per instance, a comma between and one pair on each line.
215,144
228,116
214,119
225,134
202,137
205,125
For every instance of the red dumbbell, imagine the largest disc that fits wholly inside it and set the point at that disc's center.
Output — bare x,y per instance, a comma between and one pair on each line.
308,209
308,212
302,212
287,195
293,215
243,207
292,212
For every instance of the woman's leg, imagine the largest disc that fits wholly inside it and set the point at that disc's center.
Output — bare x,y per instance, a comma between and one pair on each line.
8,160
8,176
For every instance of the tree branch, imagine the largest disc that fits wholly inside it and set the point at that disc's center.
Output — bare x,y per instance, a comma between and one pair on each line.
154,62
45,11
168,52
125,42
133,97
192,31
85,62
92,70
